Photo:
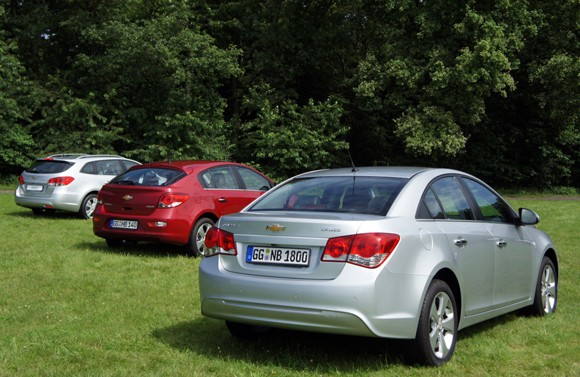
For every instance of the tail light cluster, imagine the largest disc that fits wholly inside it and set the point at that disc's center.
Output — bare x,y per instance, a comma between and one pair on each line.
172,200
60,181
368,249
219,241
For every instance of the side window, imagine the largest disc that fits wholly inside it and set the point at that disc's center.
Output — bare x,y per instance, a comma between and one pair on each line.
450,198
492,207
221,177
431,209
112,167
90,168
127,164
253,180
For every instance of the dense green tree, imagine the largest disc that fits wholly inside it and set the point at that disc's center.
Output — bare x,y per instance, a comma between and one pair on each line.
137,77
289,85
15,143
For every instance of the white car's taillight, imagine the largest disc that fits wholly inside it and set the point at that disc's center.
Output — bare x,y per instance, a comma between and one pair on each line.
60,181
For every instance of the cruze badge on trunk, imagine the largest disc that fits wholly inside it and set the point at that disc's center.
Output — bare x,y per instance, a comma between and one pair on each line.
275,228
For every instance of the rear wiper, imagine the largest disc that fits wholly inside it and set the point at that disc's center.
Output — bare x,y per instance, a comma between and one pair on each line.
128,183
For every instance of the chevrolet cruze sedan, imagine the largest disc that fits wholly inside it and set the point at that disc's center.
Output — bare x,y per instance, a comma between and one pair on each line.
68,182
390,252
174,202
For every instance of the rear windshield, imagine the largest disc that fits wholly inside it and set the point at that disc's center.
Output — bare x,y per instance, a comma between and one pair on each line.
49,167
369,195
149,177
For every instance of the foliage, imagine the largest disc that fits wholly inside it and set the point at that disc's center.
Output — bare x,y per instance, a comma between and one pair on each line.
15,143
489,87
286,138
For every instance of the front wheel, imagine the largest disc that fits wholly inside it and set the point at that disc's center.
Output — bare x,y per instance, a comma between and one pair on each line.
437,328
88,206
546,295
196,246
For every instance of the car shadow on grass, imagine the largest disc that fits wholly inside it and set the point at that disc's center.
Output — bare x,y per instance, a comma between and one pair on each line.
140,249
47,214
300,351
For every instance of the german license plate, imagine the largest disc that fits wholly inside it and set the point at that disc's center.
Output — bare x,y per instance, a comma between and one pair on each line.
124,224
33,187
278,256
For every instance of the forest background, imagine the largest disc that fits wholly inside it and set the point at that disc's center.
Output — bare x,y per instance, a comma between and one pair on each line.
489,87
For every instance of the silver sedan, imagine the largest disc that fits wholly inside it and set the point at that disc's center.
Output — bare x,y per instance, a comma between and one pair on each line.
391,252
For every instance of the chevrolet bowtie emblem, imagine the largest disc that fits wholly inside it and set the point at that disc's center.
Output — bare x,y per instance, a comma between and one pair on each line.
127,197
275,228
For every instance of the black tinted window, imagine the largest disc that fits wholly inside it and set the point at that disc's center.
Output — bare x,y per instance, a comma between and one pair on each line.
149,177
371,195
49,167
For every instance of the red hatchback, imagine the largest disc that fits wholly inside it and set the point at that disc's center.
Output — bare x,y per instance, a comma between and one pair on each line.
174,202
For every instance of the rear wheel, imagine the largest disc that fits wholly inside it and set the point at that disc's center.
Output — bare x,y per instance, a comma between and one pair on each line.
196,246
546,295
437,329
88,206
245,331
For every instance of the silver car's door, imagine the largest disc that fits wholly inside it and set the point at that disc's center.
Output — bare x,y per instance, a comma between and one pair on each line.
513,252
469,240
513,265
471,244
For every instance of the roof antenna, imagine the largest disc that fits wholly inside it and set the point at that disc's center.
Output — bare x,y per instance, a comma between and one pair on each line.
354,168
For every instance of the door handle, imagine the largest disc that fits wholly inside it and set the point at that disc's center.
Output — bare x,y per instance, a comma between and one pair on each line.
460,242
222,200
501,244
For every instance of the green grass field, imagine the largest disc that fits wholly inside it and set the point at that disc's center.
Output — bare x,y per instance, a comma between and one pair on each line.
69,306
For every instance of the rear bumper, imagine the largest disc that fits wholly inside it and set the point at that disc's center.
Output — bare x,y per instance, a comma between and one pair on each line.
384,305
57,200
150,228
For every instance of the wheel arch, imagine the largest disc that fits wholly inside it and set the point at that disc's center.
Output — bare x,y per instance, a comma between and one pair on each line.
551,253
210,215
448,276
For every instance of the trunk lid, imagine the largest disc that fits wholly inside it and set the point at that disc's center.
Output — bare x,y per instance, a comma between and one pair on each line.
131,200
287,235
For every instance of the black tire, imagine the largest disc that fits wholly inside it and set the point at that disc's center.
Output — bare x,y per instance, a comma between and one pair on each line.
88,206
196,245
437,329
546,295
246,332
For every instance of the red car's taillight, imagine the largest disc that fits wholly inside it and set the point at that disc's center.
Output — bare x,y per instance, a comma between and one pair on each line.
60,181
219,241
367,249
172,200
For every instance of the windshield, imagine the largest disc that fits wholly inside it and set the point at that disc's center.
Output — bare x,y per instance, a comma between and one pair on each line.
149,177
370,195
49,167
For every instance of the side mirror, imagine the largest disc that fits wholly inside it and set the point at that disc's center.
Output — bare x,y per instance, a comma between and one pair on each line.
528,217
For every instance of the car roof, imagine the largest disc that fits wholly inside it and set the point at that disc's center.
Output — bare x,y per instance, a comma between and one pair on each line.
78,156
188,166
379,171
